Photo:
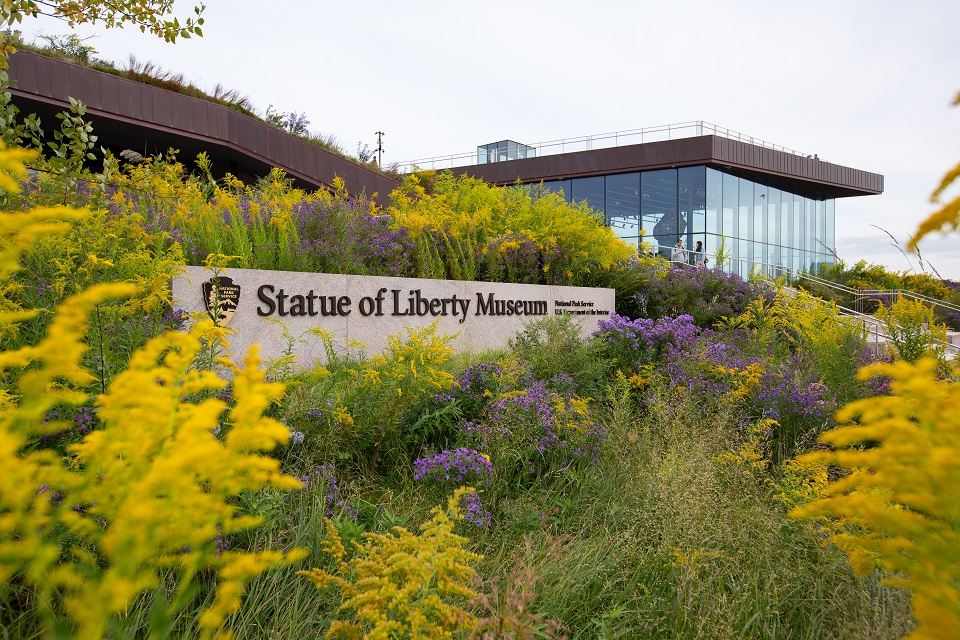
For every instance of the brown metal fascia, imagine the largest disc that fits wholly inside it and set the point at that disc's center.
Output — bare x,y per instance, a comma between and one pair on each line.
755,162
799,171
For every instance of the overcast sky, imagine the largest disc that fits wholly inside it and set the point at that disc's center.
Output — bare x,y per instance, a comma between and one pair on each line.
862,84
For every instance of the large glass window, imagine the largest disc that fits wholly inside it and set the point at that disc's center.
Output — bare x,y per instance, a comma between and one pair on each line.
759,222
714,220
731,187
821,225
799,229
773,216
561,186
589,190
658,208
786,218
623,205
830,233
692,195
771,222
745,223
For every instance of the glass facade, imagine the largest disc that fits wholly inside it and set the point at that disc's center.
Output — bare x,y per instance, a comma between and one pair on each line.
759,227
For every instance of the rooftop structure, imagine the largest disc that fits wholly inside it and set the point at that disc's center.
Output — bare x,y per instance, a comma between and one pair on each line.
504,150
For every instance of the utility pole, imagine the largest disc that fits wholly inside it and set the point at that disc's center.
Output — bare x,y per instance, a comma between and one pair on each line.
379,148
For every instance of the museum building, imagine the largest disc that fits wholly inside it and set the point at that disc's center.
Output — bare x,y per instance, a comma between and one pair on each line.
767,206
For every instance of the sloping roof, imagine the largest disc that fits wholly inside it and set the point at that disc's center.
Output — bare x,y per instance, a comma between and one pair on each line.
150,120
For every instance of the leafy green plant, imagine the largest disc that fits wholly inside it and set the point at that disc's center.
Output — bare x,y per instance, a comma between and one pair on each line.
554,345
912,330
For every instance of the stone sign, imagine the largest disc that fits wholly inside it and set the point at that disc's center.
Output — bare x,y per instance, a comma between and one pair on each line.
261,305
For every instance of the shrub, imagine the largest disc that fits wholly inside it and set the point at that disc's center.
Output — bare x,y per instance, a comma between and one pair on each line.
707,295
467,229
633,344
358,407
912,330
554,346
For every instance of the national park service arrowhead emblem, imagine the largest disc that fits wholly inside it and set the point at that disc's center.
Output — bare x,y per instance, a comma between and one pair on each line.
221,297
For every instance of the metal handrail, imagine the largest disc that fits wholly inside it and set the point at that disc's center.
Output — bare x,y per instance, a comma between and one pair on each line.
867,320
936,302
658,133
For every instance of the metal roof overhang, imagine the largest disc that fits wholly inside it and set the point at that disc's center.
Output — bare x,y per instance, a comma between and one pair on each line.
789,171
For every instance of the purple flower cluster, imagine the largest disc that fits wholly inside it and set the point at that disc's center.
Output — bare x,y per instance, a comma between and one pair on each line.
474,387
540,419
783,397
474,511
346,237
634,343
55,499
454,468
705,294
83,421
324,477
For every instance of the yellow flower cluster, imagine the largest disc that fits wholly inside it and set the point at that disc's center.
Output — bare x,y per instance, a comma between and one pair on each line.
900,505
475,217
744,381
801,482
400,584
148,492
750,455
912,330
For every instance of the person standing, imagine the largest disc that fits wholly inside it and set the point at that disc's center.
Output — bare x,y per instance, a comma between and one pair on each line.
699,257
678,253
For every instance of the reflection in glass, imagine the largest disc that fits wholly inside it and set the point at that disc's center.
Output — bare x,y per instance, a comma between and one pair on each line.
830,233
692,196
798,225
623,205
745,222
786,218
759,222
589,190
714,201
658,208
559,186
731,188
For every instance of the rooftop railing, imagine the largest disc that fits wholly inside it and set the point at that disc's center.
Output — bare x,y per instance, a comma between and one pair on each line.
660,133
